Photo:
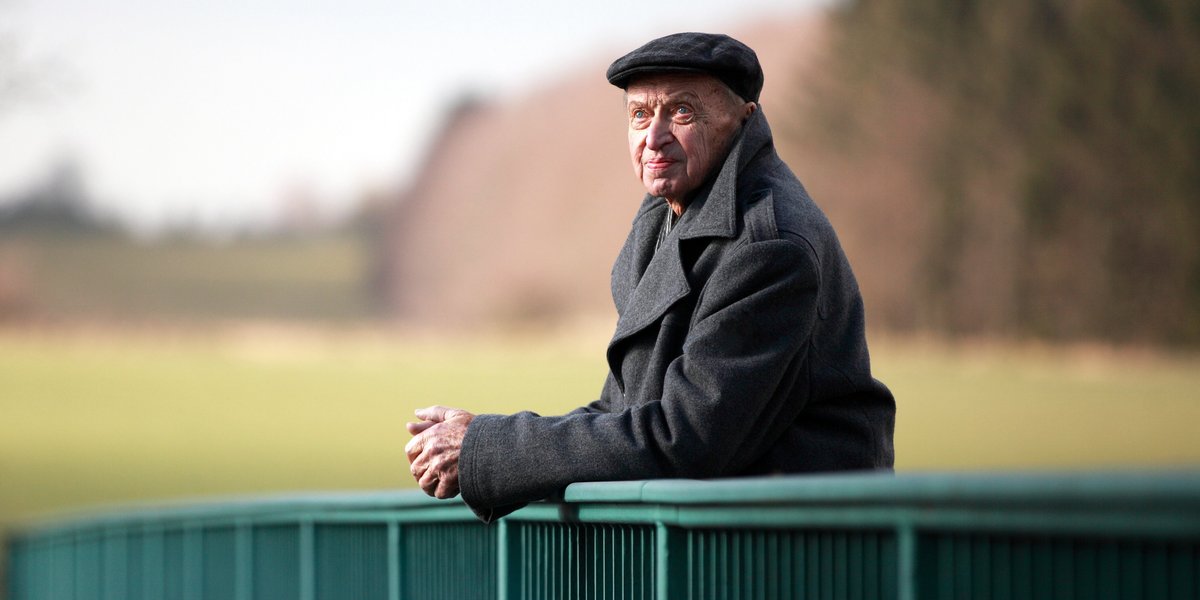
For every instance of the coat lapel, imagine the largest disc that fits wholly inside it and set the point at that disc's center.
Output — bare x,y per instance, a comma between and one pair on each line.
637,252
659,285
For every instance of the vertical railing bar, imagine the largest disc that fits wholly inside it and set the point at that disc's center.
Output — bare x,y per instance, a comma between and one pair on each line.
662,564
393,559
526,550
307,561
729,564
695,563
73,574
642,562
111,572
545,540
840,558
53,565
193,561
726,578
553,558
761,563
537,549
610,559
602,570
546,566
568,567
243,567
906,561
619,557
153,535
502,561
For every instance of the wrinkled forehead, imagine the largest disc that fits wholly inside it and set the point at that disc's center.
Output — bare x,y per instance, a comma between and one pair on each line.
661,87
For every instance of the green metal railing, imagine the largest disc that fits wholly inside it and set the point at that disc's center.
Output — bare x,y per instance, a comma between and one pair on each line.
1114,535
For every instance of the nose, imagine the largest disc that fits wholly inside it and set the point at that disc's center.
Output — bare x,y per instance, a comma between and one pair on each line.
658,133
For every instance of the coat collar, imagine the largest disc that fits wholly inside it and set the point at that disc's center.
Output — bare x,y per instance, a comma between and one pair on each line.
651,281
713,211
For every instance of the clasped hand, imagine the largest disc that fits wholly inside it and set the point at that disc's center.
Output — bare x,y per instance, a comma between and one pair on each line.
434,450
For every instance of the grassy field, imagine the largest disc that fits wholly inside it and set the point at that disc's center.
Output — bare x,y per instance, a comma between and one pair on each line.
95,417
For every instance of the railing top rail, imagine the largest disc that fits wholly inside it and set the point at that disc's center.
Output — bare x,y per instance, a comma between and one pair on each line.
1179,487
247,507
1173,490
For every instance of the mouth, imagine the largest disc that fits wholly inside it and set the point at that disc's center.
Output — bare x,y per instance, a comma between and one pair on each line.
658,164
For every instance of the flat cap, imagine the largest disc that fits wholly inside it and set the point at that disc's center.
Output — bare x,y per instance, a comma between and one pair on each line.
716,54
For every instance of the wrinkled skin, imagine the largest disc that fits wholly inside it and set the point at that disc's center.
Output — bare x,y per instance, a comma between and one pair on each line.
681,126
434,450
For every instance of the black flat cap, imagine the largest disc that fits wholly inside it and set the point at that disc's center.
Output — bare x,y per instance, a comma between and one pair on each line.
716,54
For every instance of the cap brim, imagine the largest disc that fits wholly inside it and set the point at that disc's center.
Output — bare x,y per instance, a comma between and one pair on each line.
621,79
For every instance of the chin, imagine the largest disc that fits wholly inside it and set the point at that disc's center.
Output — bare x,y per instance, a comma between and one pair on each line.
660,189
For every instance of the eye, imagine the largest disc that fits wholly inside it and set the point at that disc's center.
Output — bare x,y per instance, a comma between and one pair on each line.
684,112
639,118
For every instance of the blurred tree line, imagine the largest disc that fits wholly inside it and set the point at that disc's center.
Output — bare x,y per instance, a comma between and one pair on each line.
1065,140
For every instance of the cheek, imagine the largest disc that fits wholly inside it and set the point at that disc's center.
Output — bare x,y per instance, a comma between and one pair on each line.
711,142
637,142
698,151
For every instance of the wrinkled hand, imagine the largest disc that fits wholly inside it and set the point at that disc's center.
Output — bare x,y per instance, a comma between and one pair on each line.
433,451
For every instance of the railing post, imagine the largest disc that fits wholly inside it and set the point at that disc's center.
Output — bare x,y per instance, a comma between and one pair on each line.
153,585
906,561
670,561
502,576
508,562
307,561
116,564
393,553
243,569
193,562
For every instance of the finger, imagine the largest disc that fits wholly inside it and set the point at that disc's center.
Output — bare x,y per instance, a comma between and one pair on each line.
433,413
429,482
416,446
415,428
446,489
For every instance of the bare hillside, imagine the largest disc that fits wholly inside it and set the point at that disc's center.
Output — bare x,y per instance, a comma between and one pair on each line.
522,206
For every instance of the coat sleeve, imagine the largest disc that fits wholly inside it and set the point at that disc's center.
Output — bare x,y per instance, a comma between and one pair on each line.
722,402
605,403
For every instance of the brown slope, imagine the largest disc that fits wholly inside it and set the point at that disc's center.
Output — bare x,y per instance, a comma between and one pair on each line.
522,206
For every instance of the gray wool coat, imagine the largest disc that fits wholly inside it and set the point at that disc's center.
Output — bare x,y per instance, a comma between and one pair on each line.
739,350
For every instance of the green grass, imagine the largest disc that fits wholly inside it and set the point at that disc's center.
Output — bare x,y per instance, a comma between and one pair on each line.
100,418
996,407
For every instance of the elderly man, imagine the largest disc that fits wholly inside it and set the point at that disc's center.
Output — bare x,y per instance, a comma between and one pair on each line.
740,346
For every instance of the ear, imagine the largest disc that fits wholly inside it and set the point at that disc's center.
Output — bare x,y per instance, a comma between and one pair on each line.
748,109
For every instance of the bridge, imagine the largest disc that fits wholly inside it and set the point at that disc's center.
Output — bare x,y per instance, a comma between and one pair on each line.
834,537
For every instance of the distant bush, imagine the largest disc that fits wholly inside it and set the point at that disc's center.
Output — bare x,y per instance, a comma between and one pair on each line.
1069,130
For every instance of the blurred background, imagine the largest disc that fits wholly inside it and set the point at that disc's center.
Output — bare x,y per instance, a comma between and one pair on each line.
240,242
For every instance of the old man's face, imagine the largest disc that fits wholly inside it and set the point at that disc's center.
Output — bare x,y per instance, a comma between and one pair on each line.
680,128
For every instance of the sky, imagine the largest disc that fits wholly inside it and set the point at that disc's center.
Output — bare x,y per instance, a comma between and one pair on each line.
212,112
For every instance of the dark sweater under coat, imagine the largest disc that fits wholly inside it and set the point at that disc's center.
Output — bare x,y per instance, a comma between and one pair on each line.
739,350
